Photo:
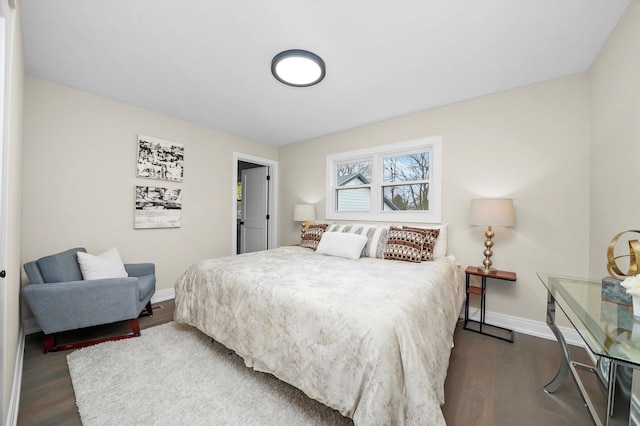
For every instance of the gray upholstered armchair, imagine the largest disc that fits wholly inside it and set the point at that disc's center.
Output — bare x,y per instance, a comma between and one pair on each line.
61,300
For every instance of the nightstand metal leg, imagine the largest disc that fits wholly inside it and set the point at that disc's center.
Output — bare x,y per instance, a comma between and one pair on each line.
482,302
481,325
466,303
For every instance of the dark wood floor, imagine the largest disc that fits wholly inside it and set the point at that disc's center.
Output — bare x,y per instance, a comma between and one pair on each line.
493,382
490,382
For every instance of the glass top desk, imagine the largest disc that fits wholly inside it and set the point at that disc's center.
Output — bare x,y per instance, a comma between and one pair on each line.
608,329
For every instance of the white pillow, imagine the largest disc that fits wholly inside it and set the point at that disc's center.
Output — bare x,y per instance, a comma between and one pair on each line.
105,265
376,236
440,249
341,244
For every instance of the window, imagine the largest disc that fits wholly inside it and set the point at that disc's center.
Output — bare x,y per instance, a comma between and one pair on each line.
399,182
353,186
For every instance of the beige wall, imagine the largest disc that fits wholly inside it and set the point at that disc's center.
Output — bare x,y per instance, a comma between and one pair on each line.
614,83
79,180
11,309
531,144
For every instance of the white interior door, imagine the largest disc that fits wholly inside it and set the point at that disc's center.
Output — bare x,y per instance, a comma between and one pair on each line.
255,201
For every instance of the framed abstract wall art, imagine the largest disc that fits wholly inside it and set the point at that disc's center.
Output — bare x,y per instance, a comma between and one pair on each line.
160,159
157,207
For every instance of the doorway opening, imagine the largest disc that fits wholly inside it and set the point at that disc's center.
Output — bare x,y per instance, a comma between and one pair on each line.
254,203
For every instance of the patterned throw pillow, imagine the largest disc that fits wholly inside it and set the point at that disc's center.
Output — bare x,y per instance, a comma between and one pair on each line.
376,241
431,236
376,237
405,245
312,237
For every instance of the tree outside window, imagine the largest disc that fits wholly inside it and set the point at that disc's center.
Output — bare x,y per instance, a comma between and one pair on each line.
406,181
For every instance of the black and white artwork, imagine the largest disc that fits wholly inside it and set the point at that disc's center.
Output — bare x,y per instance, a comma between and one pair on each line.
160,159
157,207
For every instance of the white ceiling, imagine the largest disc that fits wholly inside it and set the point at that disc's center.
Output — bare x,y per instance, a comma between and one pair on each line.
208,62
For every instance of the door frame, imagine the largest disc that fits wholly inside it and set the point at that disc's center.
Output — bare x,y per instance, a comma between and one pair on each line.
5,60
272,227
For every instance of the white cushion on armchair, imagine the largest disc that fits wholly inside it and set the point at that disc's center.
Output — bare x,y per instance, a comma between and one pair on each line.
105,265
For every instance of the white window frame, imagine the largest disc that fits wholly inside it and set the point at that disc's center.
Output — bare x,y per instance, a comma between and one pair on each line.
432,144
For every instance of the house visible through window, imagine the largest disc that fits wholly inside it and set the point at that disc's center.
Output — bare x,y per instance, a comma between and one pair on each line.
353,186
399,182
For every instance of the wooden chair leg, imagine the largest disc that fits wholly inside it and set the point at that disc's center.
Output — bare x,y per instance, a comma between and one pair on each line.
135,327
50,344
147,311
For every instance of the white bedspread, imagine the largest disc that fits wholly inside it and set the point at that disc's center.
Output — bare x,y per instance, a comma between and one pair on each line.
369,337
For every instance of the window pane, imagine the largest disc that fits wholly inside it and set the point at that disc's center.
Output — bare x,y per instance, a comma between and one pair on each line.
357,173
406,167
355,199
405,197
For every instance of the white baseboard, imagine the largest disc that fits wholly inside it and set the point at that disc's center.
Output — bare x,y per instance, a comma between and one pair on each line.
31,326
14,403
162,295
527,326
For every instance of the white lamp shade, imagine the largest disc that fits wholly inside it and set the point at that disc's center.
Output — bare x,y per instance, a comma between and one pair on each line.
492,212
304,213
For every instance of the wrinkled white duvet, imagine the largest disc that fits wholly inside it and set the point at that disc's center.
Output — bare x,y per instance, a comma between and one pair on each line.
370,338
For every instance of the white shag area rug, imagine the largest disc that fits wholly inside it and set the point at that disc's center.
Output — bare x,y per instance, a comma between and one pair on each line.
175,375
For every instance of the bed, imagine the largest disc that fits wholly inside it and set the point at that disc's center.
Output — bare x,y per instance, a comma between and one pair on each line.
368,337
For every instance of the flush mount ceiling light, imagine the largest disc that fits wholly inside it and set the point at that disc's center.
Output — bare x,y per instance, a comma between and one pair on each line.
298,68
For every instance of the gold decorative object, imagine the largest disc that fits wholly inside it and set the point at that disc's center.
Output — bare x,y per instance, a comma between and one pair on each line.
634,256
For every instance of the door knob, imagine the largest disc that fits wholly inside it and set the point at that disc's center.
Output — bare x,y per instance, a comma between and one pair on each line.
3,274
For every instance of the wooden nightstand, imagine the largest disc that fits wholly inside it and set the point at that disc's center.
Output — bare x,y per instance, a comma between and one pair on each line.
507,334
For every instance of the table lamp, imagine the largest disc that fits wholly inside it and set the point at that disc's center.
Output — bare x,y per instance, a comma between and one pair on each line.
304,213
491,212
